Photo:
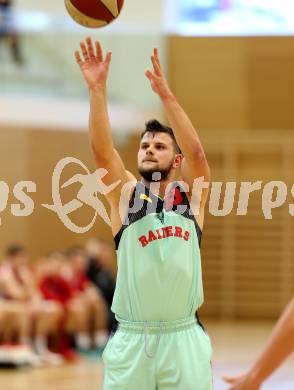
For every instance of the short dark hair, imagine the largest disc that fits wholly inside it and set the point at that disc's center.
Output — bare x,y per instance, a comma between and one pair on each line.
154,126
15,250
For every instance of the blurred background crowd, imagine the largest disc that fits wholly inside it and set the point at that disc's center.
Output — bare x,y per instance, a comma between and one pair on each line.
58,306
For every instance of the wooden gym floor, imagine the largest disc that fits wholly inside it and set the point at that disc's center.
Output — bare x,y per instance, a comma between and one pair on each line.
235,346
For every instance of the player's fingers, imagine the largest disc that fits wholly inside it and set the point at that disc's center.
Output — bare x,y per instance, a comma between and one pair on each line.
228,379
99,54
155,65
108,57
151,76
148,74
84,51
90,48
157,57
78,58
155,52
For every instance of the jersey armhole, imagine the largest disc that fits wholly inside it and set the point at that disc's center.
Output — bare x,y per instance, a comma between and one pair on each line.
119,234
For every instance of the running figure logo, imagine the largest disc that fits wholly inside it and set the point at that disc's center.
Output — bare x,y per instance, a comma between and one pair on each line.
91,184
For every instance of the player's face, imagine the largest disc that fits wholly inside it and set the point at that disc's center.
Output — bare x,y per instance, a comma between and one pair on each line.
156,154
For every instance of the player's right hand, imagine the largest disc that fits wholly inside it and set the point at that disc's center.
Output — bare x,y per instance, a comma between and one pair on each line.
241,382
92,64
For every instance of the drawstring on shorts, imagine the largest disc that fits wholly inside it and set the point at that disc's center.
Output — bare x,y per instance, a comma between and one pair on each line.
155,327
146,341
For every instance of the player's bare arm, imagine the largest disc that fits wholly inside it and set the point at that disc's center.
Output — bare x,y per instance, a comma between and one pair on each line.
277,349
95,69
194,163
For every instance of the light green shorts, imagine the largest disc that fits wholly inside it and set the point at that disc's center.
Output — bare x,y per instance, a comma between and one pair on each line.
155,356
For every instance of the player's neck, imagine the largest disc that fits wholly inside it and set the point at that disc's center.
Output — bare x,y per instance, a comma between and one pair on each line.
157,188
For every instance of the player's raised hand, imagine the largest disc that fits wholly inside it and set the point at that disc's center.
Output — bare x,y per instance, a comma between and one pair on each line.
157,78
242,382
92,64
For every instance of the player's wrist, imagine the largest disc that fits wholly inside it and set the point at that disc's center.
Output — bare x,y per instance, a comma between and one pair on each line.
168,96
97,88
255,378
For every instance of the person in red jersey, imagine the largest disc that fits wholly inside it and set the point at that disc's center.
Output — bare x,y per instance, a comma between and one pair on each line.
55,285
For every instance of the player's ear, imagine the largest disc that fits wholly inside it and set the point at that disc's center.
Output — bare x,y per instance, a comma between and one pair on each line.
178,160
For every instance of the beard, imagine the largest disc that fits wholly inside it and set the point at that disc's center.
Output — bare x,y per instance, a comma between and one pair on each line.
151,174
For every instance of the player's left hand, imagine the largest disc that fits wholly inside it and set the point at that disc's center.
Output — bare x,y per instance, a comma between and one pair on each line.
157,78
242,382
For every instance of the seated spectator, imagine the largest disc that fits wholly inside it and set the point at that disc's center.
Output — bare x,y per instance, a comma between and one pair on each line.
14,319
55,286
91,298
101,272
26,312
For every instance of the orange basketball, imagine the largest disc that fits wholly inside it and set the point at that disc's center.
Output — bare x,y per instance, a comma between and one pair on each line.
94,13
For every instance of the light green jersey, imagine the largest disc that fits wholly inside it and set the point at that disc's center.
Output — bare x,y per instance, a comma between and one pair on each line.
159,265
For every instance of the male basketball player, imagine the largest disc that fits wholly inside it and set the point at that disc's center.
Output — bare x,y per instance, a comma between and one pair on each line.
159,344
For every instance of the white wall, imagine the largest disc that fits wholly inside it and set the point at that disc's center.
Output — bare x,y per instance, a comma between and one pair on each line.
51,64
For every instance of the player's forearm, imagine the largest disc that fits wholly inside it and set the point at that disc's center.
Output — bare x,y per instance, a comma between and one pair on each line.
185,133
279,347
99,124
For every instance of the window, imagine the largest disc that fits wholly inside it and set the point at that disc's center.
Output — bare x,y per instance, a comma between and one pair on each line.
236,17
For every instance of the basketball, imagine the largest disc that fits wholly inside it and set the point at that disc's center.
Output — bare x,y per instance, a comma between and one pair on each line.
94,13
